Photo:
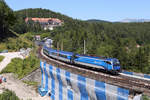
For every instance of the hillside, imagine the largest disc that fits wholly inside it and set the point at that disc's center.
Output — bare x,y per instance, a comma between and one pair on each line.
96,20
117,40
41,13
21,27
129,42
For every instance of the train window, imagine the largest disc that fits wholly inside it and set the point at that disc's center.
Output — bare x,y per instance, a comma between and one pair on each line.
64,56
108,62
53,53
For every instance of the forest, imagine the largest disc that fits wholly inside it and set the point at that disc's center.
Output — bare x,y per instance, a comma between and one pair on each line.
128,42
7,20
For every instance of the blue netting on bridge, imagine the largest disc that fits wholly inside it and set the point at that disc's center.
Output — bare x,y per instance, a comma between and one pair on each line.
64,85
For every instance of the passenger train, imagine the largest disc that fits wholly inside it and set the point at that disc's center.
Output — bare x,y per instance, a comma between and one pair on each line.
111,65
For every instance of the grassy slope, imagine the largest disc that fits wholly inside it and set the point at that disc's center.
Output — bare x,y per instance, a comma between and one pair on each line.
15,43
18,66
1,58
22,67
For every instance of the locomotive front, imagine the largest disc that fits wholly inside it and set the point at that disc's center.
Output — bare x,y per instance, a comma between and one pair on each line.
116,65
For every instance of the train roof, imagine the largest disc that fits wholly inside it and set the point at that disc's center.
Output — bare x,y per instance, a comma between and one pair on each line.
101,58
94,56
61,52
71,53
109,59
65,52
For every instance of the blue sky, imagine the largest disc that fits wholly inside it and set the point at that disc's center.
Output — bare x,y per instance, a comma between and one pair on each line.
111,10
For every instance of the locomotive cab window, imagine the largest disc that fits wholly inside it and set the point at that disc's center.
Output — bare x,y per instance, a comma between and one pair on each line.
116,62
108,62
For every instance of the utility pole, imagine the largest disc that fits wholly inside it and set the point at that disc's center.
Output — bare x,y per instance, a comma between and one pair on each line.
57,48
62,45
84,48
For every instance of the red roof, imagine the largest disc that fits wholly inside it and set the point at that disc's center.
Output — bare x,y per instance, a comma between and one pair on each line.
43,19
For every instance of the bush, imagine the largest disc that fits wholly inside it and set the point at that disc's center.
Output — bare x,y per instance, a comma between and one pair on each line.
1,58
14,44
144,97
8,95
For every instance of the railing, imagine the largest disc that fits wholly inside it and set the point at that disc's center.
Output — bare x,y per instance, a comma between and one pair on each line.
136,74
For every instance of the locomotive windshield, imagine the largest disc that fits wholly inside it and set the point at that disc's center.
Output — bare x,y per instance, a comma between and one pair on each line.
108,62
116,62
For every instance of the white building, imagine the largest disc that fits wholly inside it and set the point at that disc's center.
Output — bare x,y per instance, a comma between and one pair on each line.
49,43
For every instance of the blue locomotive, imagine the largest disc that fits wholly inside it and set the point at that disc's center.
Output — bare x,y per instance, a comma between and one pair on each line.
108,64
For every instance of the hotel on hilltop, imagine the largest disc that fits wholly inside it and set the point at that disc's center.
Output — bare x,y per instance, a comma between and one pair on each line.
46,23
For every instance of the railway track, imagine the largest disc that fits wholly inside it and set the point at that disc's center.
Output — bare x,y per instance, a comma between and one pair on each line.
134,84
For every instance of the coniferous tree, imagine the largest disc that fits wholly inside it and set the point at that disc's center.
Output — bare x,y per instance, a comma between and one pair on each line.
7,19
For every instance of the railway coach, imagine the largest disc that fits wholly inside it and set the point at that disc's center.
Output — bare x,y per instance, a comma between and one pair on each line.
111,65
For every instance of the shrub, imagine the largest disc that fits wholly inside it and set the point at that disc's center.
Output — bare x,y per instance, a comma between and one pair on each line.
8,95
1,58
144,97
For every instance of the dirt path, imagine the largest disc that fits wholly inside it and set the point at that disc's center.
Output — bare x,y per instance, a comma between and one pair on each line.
22,90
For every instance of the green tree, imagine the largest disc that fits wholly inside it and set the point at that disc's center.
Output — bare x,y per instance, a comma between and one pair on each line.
7,19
